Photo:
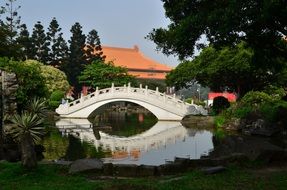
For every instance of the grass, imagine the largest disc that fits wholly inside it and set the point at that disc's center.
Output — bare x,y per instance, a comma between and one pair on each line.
13,177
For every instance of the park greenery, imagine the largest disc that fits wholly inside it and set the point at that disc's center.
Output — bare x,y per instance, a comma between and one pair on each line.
245,42
245,53
47,176
95,72
27,128
242,49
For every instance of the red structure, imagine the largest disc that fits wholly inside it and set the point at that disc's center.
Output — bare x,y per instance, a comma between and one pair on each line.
231,97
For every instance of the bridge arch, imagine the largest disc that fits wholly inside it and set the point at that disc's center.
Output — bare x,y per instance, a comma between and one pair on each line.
164,107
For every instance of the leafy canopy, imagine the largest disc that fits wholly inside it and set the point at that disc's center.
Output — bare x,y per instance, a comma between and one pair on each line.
55,79
225,69
260,23
102,75
30,81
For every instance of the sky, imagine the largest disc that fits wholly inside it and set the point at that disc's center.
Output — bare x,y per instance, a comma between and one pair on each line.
120,23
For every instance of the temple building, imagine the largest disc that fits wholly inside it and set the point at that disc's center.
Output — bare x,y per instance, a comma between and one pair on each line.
137,64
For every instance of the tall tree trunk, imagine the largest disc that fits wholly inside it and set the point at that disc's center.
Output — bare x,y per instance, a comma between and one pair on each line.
29,159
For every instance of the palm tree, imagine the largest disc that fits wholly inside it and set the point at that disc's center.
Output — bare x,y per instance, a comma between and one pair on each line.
27,130
37,106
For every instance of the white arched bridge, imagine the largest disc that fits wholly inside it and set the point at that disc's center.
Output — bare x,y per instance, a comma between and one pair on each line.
163,106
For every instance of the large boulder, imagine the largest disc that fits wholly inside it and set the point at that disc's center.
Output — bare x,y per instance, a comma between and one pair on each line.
87,164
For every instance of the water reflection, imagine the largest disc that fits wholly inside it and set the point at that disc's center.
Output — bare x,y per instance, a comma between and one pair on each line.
162,142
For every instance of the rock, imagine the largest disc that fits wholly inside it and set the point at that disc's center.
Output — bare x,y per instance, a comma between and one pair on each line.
213,170
260,127
127,170
63,162
87,164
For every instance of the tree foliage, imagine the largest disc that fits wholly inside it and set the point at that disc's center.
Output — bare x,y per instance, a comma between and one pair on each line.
40,43
225,69
27,128
30,81
261,24
9,30
102,75
93,49
58,46
54,78
26,44
76,59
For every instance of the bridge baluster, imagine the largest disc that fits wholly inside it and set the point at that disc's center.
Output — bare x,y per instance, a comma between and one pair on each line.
146,89
129,87
112,88
156,91
97,90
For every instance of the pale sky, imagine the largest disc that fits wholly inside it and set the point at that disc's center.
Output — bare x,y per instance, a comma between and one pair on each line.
120,23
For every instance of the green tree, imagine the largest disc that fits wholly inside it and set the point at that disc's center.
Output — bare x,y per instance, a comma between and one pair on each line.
58,46
40,43
93,48
259,23
76,59
27,128
226,69
54,78
30,81
102,75
9,30
25,42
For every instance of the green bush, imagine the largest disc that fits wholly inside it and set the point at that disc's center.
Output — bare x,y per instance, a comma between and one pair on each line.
258,103
277,93
57,95
270,110
219,121
255,99
242,112
55,99
219,104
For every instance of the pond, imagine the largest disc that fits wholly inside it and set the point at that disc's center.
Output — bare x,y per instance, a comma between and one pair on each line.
125,135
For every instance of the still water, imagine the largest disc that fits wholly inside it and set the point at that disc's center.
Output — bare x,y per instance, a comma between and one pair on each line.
126,137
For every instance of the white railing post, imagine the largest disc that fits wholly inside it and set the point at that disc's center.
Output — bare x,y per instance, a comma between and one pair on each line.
97,91
146,89
156,90
125,88
174,96
129,87
141,86
112,88
82,97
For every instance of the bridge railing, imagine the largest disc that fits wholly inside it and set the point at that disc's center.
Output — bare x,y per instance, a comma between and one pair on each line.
148,93
153,97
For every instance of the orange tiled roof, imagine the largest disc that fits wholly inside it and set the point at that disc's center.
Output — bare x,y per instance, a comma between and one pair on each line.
136,62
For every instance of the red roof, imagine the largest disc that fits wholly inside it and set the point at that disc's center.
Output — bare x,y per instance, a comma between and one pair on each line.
137,64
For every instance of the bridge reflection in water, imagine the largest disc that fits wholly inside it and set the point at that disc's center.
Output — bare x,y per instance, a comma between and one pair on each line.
162,142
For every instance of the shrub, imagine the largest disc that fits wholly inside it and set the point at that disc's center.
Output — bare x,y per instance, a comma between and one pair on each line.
255,99
219,121
55,99
219,104
275,92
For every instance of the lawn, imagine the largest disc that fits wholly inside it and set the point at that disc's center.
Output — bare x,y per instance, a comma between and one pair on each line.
13,177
